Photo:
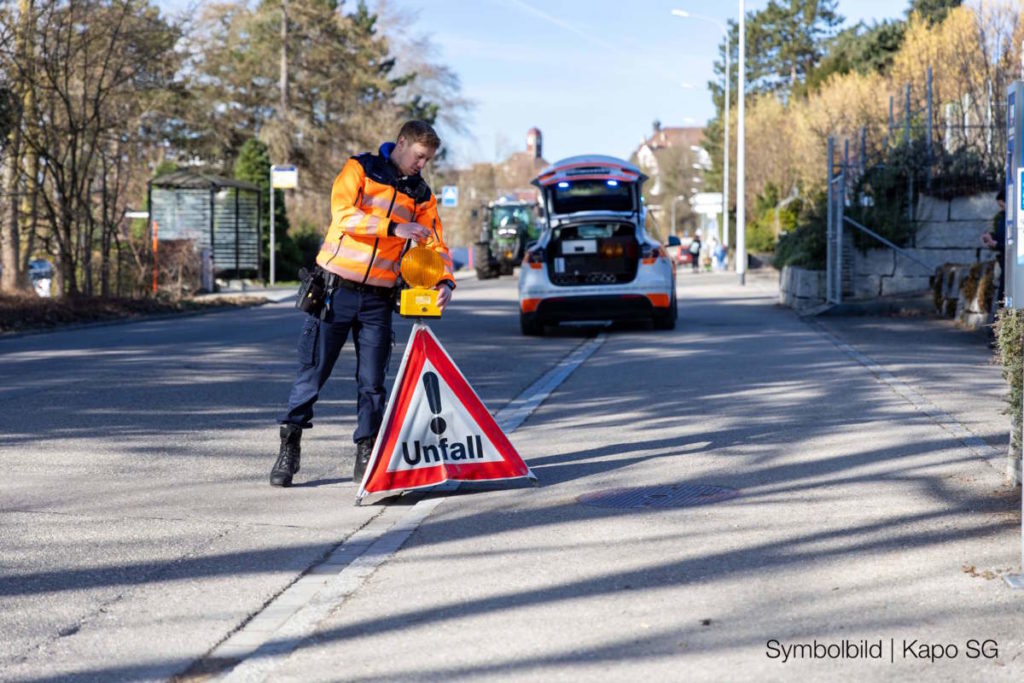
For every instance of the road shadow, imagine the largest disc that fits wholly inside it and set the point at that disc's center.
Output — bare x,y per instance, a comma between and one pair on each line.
802,392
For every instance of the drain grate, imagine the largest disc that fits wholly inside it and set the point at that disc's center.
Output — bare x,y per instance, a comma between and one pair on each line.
647,497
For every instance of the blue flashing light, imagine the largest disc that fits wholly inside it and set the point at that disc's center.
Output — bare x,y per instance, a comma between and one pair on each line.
563,184
613,183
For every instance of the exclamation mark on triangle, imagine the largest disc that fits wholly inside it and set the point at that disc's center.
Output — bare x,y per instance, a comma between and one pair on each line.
433,389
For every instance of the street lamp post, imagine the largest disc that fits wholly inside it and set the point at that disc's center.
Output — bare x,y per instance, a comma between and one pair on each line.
725,150
673,231
741,218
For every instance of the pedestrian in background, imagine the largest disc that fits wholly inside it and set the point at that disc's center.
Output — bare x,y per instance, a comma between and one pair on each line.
380,206
717,254
694,249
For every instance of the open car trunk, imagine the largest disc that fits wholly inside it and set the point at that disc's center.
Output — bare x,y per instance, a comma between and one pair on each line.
593,253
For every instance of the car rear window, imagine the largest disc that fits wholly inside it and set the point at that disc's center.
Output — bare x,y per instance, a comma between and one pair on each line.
591,195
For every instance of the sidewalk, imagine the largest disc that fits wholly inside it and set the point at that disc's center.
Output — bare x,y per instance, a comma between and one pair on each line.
272,294
951,369
943,369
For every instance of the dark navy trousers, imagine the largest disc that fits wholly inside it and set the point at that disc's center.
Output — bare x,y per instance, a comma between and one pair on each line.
368,317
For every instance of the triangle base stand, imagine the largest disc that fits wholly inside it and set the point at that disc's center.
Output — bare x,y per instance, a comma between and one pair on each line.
437,434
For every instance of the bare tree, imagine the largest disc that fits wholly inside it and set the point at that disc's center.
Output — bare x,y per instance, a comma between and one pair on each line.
17,44
96,69
316,88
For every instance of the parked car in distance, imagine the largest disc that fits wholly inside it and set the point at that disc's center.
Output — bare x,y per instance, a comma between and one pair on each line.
672,246
683,256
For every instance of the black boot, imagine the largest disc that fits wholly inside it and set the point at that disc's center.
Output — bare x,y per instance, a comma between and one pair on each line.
364,449
288,459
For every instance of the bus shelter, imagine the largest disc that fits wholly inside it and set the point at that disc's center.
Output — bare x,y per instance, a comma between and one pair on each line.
220,216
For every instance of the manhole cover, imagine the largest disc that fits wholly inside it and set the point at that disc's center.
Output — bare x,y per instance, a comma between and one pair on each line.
677,496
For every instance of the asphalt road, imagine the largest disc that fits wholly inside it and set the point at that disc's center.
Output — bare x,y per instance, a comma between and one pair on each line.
138,529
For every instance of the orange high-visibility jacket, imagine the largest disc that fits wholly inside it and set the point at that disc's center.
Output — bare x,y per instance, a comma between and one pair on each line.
367,200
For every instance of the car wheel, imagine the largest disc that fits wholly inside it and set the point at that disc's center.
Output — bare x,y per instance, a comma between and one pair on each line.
529,325
667,320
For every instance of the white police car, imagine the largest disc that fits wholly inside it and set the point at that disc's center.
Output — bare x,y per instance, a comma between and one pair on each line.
595,259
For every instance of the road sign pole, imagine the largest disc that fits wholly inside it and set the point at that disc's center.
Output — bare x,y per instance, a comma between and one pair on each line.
156,268
282,177
272,227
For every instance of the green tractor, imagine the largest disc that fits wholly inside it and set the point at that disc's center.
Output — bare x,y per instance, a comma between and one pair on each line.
508,226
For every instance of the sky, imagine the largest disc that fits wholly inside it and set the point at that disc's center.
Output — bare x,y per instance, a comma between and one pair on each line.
592,75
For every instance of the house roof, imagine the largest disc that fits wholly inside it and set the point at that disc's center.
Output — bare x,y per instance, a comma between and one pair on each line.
675,136
524,162
188,179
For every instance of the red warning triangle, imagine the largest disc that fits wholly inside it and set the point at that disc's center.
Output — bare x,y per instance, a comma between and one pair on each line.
436,432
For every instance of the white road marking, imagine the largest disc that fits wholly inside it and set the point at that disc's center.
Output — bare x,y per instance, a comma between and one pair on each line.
515,413
270,637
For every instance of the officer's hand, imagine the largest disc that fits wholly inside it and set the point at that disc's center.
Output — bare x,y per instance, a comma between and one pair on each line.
986,239
412,231
444,295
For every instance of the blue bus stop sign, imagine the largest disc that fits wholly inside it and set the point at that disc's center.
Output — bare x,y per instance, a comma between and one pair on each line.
450,196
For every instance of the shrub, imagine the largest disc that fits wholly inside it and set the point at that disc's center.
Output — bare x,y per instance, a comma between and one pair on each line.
961,174
1009,327
806,245
307,241
882,197
771,219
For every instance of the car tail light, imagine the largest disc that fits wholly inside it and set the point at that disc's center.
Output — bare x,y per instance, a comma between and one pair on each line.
534,258
612,250
652,252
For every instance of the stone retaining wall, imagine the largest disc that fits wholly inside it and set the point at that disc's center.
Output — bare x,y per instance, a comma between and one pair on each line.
801,288
948,231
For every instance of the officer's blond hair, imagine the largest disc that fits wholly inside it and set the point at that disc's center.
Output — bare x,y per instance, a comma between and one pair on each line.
421,132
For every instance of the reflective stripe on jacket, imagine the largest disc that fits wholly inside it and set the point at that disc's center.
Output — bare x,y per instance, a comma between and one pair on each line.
367,198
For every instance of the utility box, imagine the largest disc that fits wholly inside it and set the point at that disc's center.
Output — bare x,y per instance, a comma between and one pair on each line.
1013,266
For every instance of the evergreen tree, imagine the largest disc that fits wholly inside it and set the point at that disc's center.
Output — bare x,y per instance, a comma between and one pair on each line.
342,94
933,11
786,41
253,165
861,49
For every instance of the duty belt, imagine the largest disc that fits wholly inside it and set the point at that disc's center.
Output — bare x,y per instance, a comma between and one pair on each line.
334,281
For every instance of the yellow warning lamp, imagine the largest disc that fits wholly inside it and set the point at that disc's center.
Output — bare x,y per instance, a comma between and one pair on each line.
422,268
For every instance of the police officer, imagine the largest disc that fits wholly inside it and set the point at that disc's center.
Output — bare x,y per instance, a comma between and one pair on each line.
380,205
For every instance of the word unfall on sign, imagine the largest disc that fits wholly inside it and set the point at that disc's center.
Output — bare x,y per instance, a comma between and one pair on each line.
436,433
443,451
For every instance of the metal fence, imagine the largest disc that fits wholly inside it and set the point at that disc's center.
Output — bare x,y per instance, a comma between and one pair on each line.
930,144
